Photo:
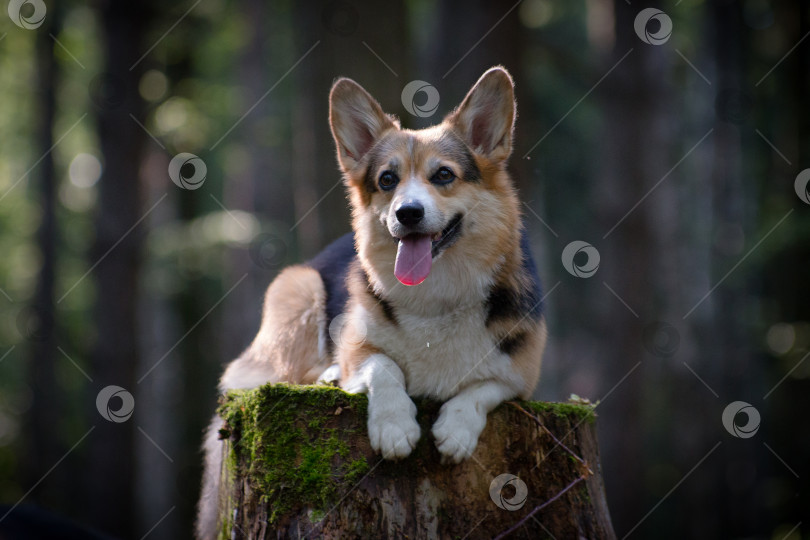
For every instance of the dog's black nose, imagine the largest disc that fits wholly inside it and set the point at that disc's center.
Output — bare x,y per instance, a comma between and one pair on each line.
410,214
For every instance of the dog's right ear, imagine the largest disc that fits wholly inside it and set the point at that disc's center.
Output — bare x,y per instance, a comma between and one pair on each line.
357,121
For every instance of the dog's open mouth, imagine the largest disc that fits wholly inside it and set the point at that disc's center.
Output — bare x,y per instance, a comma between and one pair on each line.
415,252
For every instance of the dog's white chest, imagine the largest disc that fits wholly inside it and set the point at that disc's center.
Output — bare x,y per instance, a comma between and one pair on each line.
441,355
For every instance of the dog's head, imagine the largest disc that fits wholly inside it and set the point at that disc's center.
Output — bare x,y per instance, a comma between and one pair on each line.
422,193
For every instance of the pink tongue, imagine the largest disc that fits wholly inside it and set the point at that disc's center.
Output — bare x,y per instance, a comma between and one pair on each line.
413,259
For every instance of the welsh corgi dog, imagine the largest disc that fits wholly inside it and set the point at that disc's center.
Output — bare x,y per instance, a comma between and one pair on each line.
434,294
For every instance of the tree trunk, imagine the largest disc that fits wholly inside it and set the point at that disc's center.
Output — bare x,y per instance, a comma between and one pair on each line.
116,256
298,463
38,322
345,40
632,159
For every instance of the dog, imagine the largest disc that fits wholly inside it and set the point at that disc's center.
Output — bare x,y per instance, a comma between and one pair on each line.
434,294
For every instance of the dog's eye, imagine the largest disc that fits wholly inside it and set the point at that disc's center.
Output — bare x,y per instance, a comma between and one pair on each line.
388,180
443,176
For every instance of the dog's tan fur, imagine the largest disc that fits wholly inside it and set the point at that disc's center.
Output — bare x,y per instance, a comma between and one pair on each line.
490,243
288,346
465,335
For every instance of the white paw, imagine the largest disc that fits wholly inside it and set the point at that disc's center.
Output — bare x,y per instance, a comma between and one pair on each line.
392,428
457,430
355,385
330,375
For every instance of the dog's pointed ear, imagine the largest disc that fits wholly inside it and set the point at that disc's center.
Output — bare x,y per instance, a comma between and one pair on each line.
486,117
357,121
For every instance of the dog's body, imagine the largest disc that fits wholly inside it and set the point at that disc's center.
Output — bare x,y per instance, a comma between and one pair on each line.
435,293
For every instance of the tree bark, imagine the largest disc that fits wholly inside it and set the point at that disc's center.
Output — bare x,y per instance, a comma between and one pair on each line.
298,463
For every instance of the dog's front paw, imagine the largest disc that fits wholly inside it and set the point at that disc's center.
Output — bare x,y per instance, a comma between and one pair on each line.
392,430
456,431
355,385
331,377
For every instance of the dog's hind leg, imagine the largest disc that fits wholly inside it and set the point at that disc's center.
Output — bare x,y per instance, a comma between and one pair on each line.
289,347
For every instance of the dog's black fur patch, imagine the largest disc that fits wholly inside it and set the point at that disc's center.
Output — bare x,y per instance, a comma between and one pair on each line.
333,266
387,308
452,145
370,182
511,343
510,303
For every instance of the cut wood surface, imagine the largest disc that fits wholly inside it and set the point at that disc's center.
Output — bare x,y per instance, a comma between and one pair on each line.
297,463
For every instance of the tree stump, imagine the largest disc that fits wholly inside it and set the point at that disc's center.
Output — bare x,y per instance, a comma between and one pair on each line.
297,463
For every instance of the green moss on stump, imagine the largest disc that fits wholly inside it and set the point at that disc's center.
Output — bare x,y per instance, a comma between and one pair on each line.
290,447
577,411
290,442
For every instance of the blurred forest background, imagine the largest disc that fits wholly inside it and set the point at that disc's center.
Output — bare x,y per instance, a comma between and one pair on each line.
676,161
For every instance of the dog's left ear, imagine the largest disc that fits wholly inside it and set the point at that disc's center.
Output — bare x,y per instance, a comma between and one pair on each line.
486,117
